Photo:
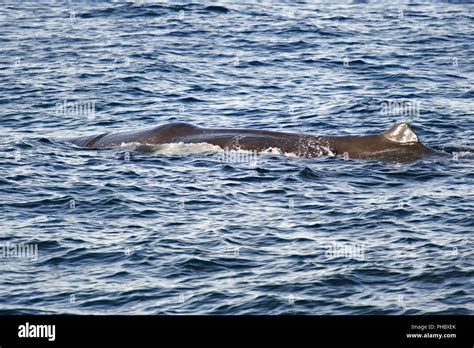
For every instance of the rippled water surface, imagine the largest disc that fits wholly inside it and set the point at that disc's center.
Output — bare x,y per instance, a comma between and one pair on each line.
182,229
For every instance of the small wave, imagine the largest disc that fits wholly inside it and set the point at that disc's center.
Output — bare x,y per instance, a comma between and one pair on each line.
127,11
217,9
190,100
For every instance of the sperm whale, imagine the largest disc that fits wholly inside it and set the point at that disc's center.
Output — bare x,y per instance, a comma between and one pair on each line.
398,143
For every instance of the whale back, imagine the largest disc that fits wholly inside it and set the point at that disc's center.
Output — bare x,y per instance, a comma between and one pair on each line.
401,133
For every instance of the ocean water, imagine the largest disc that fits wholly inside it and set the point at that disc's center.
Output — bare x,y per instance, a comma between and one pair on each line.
190,229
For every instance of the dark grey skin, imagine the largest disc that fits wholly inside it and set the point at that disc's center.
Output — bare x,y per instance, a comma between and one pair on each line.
399,143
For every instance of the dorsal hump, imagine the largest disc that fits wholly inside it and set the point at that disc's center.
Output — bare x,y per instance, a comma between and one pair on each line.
401,133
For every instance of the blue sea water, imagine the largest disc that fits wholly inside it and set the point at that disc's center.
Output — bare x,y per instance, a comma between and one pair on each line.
182,229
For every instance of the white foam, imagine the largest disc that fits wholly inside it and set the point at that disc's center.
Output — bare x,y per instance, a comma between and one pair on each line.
277,151
176,149
465,153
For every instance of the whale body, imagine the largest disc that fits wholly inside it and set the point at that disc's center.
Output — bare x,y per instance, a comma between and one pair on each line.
398,143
